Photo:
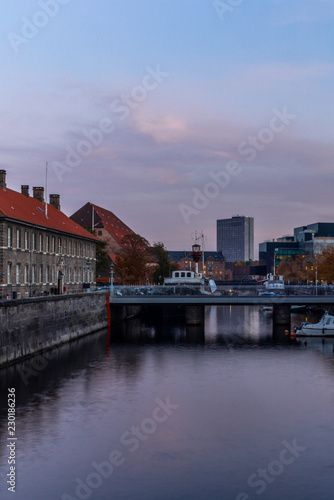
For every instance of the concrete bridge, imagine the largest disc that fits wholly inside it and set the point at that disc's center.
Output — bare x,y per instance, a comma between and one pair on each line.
195,305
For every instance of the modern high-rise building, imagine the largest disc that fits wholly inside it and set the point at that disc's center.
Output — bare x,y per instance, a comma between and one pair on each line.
235,238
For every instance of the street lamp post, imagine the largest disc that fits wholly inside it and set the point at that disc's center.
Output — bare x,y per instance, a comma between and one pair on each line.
112,278
88,269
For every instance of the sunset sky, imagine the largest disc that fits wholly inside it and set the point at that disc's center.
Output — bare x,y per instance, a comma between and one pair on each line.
173,113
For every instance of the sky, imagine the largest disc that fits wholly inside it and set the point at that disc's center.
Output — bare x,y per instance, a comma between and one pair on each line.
173,113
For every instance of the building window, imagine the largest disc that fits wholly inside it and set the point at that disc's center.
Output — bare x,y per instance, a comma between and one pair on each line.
99,233
17,274
59,245
9,273
18,238
47,244
53,245
74,274
40,243
69,275
47,274
33,274
33,241
26,240
26,273
10,236
52,274
40,274
69,248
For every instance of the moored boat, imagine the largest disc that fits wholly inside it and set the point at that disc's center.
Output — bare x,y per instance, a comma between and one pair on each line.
192,279
274,283
267,309
324,327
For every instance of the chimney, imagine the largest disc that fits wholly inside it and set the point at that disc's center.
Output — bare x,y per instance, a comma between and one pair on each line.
38,193
55,201
3,179
25,190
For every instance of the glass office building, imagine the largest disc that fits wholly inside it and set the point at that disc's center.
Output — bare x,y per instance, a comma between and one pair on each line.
235,238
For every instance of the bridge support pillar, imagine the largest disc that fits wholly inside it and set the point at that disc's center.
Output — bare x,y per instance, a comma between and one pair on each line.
195,315
282,315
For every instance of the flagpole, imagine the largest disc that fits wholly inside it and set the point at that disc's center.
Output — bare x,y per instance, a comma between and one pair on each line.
46,190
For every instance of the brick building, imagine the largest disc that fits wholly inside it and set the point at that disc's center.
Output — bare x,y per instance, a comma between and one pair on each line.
215,266
107,226
42,251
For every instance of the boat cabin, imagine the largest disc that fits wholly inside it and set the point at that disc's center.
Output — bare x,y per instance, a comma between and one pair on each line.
185,274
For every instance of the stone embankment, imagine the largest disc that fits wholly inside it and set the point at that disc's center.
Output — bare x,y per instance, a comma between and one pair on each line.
30,325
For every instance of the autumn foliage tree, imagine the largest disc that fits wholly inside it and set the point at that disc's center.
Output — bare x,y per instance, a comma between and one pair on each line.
131,261
325,265
308,269
294,270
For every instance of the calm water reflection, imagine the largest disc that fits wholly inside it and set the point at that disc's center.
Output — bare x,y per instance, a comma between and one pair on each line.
163,412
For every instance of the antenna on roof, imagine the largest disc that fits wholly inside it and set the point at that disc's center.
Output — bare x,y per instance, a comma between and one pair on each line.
46,190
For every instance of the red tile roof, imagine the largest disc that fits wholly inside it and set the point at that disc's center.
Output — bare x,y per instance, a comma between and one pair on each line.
115,227
18,206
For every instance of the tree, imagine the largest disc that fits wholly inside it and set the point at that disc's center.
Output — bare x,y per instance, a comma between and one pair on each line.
308,268
325,265
295,270
164,266
102,262
131,262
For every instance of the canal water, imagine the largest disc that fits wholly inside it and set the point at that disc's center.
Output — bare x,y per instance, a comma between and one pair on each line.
161,412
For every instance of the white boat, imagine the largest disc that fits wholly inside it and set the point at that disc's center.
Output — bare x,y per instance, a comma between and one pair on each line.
192,279
324,328
274,283
267,309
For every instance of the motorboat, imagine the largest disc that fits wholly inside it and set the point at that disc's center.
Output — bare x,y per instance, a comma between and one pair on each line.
324,327
192,279
274,283
298,309
267,309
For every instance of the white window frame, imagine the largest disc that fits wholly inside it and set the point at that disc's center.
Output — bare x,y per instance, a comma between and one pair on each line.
9,273
9,236
17,274
26,273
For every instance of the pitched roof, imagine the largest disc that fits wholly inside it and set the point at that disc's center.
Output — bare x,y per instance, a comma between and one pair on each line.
30,210
115,227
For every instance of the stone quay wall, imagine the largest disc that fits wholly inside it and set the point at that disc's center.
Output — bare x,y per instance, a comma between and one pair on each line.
31,325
